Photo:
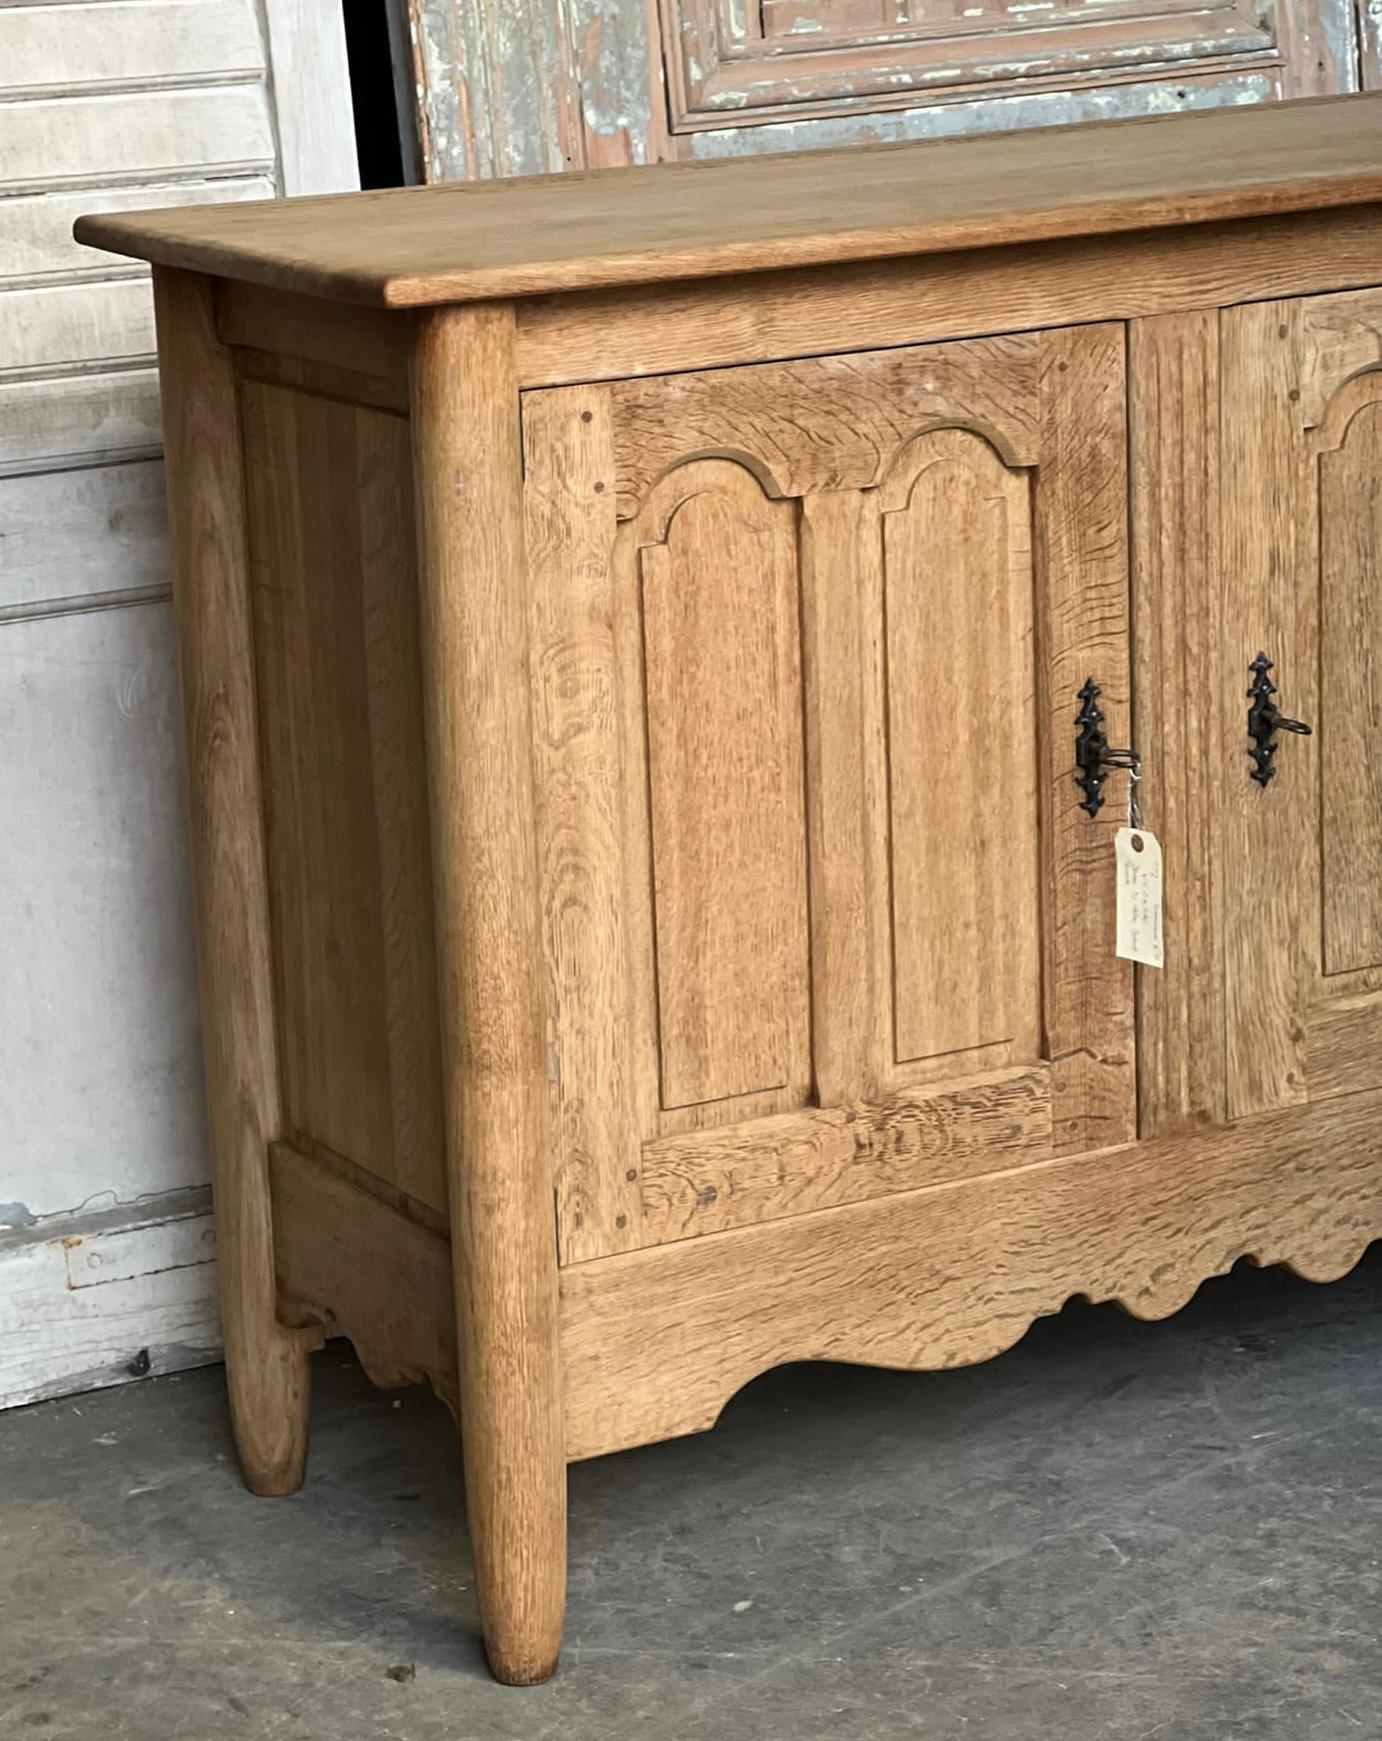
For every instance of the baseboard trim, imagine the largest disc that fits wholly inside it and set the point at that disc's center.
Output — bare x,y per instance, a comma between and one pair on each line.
106,1296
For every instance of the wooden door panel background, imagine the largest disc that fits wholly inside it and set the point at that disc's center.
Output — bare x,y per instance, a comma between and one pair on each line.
1303,425
759,595
529,88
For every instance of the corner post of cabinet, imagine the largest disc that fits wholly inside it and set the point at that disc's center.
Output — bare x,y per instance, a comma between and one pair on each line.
472,570
266,1362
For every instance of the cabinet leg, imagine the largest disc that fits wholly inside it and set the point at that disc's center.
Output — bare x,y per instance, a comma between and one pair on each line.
515,1484
266,1362
476,687
267,1371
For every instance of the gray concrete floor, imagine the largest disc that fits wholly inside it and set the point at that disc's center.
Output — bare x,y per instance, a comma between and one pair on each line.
1117,1532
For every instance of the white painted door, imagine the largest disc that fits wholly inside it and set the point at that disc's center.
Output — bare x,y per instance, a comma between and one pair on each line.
137,103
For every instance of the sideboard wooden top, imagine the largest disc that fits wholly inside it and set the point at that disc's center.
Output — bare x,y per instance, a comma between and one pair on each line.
465,242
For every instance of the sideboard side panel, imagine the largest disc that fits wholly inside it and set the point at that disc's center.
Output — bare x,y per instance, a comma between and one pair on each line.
266,1364
329,503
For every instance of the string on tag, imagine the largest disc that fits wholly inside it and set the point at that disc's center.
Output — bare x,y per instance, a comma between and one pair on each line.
1131,764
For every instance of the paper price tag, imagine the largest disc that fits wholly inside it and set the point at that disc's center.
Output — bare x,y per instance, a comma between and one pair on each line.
1137,858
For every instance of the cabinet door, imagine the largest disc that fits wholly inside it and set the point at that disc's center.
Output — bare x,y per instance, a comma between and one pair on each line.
824,917
1302,556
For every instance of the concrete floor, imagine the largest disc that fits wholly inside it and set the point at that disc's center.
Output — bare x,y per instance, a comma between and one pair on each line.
1117,1532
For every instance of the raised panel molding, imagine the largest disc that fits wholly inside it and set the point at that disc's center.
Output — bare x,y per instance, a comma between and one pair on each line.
1350,725
722,678
725,59
959,609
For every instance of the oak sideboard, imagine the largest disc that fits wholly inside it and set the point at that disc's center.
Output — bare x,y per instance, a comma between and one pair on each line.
663,655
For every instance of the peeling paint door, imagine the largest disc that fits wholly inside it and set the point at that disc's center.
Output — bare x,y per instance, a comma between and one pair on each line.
525,87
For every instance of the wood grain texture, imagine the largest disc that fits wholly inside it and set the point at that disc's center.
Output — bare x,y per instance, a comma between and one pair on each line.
707,1181
610,334
1082,550
329,490
1269,543
36,228
476,689
347,1260
1340,341
1343,1044
362,339
579,630
721,657
1174,411
266,1364
846,794
829,423
325,380
655,1343
409,247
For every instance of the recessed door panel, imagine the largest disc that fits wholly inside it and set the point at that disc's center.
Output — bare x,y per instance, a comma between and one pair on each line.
724,729
962,754
1350,485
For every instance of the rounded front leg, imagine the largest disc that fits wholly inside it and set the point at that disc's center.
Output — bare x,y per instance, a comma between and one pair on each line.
476,685
515,1483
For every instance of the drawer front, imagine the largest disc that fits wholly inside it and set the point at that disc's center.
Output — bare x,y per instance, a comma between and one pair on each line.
824,917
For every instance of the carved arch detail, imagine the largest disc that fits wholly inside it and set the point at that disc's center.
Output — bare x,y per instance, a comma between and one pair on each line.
981,448
1351,399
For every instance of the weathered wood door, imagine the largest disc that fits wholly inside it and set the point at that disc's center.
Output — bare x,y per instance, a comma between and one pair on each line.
1302,552
527,88
824,917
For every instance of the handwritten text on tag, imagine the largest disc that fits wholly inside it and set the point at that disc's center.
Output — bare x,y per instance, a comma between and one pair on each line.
1137,856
